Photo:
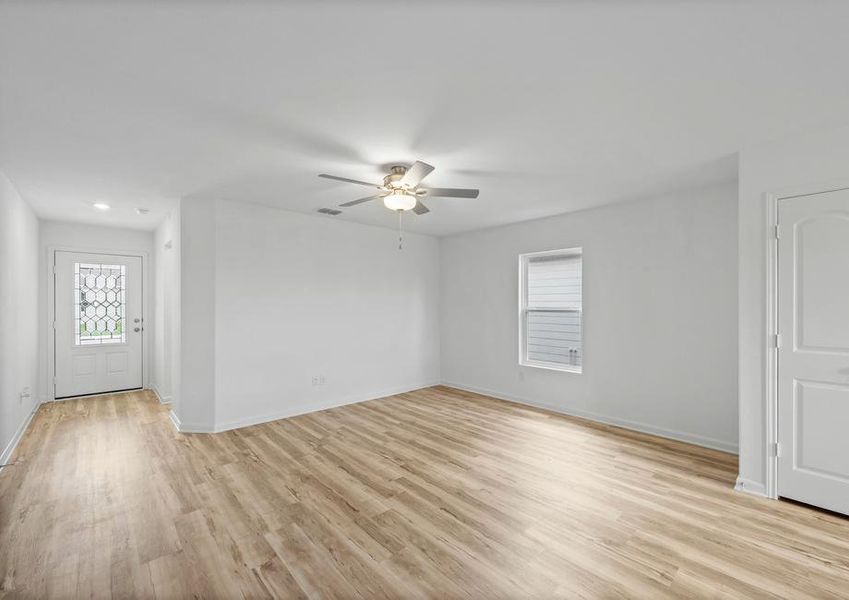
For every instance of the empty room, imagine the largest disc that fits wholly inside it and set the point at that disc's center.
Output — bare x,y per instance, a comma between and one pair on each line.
424,299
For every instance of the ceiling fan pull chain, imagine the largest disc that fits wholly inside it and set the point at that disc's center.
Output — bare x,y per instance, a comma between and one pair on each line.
400,239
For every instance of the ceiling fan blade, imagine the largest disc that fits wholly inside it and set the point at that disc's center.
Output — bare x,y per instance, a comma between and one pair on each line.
453,192
360,200
415,174
420,208
345,179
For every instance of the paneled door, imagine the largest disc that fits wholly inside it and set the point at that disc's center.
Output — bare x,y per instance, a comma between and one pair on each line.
813,355
98,323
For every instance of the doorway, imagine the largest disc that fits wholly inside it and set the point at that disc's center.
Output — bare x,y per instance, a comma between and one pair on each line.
98,323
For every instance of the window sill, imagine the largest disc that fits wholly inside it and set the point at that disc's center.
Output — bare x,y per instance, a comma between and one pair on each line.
552,367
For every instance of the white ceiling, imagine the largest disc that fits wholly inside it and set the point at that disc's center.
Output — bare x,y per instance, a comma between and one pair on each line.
547,107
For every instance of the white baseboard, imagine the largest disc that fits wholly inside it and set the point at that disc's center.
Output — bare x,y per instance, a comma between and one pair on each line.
13,443
750,487
162,399
191,427
175,420
305,408
292,411
680,436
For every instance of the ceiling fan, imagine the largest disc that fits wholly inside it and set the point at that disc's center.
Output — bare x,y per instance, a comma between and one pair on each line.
400,190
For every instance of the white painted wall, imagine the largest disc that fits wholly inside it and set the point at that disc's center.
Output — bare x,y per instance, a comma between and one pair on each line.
18,314
818,158
660,314
195,405
285,297
88,238
166,326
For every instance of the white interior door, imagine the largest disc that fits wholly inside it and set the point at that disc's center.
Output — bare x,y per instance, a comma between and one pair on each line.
98,323
813,358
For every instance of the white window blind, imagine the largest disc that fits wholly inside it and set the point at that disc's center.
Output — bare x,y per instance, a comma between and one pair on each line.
552,309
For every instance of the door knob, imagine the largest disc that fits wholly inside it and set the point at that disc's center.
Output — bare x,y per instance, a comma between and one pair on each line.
136,320
136,329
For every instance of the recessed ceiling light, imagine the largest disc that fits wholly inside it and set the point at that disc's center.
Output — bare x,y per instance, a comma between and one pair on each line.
101,206
142,211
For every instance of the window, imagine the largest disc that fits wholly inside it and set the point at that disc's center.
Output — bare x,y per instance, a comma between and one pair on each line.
550,305
99,302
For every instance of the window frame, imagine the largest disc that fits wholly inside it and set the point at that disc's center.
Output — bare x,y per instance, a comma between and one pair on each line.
524,259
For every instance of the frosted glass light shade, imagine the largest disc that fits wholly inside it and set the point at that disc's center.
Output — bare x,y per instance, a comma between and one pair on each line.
399,200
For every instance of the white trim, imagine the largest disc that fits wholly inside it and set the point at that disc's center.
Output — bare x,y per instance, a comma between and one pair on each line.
308,407
679,436
175,420
573,251
770,486
19,434
292,411
162,399
748,486
191,427
551,366
147,308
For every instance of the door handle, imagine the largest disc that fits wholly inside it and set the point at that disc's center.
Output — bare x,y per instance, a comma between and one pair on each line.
136,329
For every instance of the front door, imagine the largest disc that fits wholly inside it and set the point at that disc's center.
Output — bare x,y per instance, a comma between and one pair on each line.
813,356
98,323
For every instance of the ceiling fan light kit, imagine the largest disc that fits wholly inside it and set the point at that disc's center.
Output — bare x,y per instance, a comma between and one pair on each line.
400,200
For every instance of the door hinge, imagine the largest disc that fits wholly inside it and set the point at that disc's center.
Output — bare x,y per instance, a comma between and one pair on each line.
777,232
776,450
776,340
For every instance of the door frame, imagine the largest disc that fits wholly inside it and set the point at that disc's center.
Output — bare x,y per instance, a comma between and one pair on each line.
51,304
770,341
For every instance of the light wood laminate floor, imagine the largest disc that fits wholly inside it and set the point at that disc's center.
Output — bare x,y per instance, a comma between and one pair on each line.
436,493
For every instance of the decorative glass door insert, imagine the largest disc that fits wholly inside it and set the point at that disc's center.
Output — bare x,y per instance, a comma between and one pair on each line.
99,304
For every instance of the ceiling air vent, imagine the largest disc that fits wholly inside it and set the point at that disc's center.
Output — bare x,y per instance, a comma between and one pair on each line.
329,211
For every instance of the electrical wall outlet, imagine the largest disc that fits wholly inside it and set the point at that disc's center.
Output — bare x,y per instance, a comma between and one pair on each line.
318,380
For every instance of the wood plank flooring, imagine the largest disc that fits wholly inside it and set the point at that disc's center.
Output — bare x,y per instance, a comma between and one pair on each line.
432,494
